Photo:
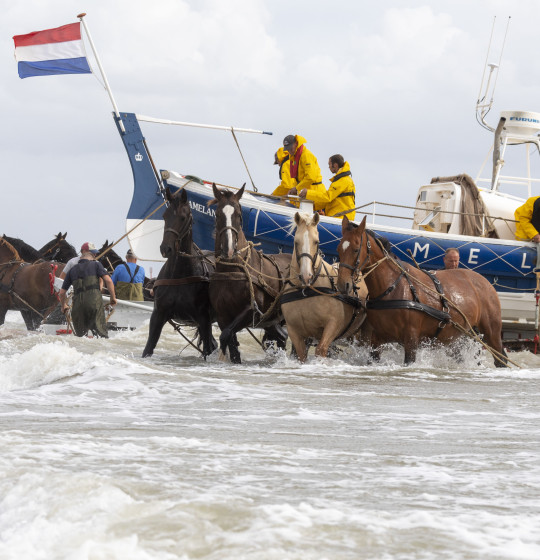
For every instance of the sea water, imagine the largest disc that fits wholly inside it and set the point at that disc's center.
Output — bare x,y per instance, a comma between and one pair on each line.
105,455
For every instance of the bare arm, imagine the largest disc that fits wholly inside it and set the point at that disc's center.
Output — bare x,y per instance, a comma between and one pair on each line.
110,287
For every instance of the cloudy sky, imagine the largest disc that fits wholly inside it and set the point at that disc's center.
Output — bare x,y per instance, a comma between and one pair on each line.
390,85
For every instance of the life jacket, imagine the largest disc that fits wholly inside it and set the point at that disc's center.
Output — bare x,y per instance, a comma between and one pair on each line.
295,161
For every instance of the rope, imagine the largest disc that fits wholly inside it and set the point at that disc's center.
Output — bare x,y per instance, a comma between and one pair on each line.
242,156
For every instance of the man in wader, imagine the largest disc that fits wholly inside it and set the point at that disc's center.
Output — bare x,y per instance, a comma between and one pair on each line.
128,279
86,276
528,220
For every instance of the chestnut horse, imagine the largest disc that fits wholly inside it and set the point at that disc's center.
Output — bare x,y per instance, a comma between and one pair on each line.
408,305
327,315
181,288
246,282
26,287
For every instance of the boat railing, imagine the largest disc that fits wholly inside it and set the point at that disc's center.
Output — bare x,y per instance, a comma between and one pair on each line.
375,214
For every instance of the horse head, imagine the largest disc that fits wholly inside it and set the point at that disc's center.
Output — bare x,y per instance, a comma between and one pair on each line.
228,221
58,249
109,258
354,252
306,245
178,222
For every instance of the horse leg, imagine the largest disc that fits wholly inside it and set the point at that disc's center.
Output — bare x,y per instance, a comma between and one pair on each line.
299,345
208,341
157,320
228,338
275,336
330,333
493,340
234,353
31,319
3,312
410,348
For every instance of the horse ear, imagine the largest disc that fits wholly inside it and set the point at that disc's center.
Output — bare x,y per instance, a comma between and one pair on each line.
297,218
316,218
217,192
64,236
183,196
362,225
239,194
344,224
168,196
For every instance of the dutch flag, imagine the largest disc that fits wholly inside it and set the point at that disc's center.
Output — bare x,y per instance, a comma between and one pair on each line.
53,51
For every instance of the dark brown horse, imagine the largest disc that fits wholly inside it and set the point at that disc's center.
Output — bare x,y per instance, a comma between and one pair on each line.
181,288
408,305
246,282
26,287
58,249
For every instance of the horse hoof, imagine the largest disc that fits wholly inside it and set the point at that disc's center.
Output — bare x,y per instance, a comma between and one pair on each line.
222,356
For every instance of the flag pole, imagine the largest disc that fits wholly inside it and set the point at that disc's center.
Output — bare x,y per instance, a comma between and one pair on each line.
106,82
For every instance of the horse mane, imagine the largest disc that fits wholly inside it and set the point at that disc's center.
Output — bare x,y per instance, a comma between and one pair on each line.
10,248
25,251
305,216
387,246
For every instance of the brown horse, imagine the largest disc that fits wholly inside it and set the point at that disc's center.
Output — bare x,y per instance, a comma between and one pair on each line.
327,315
408,305
25,287
246,282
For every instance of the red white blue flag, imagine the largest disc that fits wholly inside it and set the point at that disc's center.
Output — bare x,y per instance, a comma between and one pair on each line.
53,51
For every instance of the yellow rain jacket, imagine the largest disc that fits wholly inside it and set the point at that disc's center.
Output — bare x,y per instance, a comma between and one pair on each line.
528,219
284,174
309,173
340,195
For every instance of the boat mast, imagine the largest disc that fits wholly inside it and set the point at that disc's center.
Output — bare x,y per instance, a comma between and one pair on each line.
105,81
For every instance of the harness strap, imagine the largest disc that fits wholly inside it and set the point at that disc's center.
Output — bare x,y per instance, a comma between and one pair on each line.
309,292
180,281
442,316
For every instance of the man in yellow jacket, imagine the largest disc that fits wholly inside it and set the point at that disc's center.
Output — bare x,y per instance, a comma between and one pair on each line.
304,168
528,220
340,196
286,183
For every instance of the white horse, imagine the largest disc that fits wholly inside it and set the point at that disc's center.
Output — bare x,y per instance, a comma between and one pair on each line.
311,305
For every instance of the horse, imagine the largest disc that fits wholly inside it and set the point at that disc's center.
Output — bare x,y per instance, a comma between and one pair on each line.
110,259
25,287
246,282
26,252
327,315
408,305
58,249
181,288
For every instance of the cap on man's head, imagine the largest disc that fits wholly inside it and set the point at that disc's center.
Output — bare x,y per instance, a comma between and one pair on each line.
288,141
130,254
89,248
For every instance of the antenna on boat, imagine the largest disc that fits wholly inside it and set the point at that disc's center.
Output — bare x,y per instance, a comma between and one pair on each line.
105,81
486,95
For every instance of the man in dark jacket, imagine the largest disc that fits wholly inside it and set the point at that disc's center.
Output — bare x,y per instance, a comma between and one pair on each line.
87,312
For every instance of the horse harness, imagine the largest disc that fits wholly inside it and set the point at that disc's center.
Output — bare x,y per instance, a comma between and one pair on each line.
188,279
377,303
